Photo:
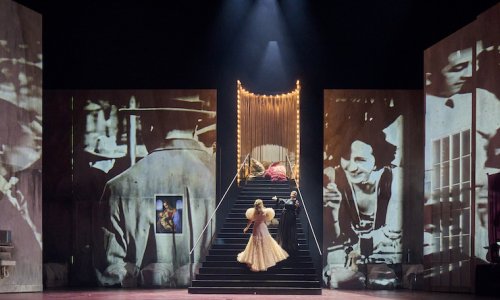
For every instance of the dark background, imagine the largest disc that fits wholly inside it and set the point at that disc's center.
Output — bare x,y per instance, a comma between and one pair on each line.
210,44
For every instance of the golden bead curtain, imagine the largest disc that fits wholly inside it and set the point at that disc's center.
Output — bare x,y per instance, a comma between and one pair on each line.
269,127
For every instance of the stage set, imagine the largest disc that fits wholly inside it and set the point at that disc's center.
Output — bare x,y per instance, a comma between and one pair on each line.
185,181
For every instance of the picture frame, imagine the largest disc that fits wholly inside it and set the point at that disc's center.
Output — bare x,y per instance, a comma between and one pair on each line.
168,214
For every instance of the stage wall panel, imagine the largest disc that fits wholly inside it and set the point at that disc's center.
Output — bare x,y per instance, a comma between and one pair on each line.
21,146
143,185
366,178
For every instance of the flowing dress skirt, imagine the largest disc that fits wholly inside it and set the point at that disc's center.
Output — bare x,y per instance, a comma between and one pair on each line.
262,251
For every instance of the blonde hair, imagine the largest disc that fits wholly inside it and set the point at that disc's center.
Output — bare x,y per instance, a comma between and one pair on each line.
259,206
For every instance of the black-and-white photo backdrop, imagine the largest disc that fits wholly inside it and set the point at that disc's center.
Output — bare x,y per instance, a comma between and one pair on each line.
20,148
363,179
144,183
462,124
487,89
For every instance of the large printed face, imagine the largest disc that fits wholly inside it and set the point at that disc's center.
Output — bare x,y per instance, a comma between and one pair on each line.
360,163
457,71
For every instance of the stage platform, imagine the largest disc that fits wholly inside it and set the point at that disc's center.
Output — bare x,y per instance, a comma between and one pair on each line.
182,294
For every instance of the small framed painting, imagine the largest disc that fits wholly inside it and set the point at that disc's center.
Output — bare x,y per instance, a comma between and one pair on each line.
168,213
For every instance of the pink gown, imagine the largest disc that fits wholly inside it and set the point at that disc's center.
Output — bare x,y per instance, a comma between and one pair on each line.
262,251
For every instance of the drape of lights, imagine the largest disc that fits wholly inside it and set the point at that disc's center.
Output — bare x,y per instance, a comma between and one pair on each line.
269,119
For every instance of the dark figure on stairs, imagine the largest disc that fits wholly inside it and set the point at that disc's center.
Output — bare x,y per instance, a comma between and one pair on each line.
287,230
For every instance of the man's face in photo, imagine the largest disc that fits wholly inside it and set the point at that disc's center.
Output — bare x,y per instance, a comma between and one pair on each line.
457,71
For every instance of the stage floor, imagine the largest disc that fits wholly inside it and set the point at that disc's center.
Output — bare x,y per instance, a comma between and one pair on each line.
182,294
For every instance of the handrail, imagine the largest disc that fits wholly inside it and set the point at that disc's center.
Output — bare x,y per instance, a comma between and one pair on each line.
305,208
220,202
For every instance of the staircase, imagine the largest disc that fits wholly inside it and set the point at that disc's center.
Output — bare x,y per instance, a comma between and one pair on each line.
221,273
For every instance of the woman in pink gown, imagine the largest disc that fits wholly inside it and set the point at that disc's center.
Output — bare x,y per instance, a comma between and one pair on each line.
262,251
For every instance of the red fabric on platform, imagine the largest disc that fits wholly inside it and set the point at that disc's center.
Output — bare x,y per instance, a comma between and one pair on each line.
276,172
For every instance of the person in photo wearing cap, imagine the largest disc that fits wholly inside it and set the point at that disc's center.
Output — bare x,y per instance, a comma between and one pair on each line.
177,164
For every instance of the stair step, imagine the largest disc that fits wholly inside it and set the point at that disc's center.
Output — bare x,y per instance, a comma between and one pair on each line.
253,290
264,186
256,283
268,192
226,241
278,190
298,259
241,208
243,199
241,219
258,276
235,251
264,179
238,215
272,229
233,263
262,183
247,203
247,235
242,212
245,270
222,245
240,235
290,185
240,225
242,215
